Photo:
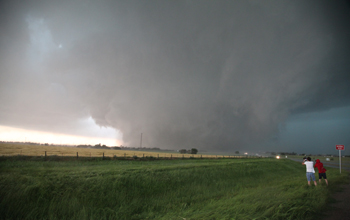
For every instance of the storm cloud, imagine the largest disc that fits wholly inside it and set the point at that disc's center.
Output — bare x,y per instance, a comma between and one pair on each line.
207,74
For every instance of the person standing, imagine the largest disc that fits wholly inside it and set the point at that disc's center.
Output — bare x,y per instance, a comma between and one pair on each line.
321,171
310,171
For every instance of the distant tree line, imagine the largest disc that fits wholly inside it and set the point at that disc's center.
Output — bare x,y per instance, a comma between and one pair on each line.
121,147
97,146
191,151
283,153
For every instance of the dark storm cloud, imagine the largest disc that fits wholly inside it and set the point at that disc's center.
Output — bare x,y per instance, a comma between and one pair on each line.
214,74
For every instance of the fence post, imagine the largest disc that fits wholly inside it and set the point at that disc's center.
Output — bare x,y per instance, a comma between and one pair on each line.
158,156
103,155
45,154
77,155
143,156
171,156
124,155
183,156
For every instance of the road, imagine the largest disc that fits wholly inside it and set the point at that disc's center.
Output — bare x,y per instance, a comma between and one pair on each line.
328,164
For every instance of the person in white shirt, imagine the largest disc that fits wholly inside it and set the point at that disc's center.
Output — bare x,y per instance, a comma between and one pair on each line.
310,171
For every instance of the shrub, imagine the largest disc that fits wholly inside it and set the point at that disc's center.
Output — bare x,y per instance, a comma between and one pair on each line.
194,151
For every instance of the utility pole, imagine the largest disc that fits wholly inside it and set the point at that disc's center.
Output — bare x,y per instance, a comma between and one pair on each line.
141,141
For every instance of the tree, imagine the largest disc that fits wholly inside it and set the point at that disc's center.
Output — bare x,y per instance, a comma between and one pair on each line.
194,151
182,151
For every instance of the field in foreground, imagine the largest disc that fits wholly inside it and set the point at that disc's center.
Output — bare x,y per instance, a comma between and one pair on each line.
161,189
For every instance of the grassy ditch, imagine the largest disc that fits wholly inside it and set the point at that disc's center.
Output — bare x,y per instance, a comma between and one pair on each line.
161,189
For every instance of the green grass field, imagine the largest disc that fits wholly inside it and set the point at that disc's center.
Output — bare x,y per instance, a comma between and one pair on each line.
160,189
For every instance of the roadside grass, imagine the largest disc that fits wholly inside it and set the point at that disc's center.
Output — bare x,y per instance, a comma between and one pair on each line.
161,189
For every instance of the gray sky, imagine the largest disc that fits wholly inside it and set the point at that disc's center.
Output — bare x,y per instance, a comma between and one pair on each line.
214,75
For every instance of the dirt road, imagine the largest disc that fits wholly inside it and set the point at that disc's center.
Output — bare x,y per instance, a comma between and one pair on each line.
340,210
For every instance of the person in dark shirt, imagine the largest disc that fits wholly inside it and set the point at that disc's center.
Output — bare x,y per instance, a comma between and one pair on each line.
321,171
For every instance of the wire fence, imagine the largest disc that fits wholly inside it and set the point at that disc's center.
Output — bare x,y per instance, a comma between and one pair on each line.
122,155
25,150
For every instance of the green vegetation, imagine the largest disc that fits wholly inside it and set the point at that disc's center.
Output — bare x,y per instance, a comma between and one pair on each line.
160,189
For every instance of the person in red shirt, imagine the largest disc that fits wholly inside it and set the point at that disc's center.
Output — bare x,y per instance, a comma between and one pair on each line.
321,171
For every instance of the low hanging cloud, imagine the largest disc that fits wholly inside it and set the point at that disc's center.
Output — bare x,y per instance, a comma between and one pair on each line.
207,74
